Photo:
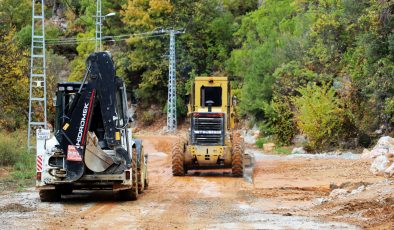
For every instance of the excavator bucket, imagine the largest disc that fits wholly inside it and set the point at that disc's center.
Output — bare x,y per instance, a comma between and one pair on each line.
248,167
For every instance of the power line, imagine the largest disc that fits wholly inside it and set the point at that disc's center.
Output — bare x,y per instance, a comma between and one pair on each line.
121,37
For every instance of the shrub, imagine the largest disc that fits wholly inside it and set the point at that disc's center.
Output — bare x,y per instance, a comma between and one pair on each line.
261,141
148,117
279,121
283,151
318,114
11,147
13,152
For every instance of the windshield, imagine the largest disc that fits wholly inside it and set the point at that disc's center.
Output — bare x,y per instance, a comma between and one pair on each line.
211,94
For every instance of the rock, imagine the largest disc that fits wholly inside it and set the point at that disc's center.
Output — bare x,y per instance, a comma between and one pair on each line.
385,141
268,147
379,165
299,140
389,172
299,150
339,192
358,190
249,137
381,148
390,154
366,154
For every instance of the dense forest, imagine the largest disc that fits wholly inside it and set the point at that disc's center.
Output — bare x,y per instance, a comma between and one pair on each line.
322,68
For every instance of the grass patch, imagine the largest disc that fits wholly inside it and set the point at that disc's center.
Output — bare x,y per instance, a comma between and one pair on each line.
261,141
14,153
282,150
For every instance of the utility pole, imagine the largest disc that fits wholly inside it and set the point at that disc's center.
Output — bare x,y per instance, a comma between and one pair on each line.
99,24
171,103
37,87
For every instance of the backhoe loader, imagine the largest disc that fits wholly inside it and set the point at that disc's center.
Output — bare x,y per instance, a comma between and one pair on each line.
92,145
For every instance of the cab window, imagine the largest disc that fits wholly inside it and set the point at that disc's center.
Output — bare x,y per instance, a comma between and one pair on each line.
211,94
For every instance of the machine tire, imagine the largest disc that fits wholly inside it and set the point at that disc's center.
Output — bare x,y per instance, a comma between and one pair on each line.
65,190
178,160
132,193
49,195
236,157
141,180
146,179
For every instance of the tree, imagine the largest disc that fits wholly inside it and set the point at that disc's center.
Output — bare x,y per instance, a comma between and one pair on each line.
14,83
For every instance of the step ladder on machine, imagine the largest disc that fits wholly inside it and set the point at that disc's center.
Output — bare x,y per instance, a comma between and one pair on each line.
37,91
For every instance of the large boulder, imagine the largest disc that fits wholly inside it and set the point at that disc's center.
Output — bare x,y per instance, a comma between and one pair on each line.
299,150
268,147
389,172
381,148
379,165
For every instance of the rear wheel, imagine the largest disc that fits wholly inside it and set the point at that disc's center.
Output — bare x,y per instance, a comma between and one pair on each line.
132,193
49,195
236,157
178,160
146,178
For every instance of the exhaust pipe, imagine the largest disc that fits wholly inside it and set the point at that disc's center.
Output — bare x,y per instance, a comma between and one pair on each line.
209,103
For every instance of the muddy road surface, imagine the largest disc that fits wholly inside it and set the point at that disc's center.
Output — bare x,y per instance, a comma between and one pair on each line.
287,193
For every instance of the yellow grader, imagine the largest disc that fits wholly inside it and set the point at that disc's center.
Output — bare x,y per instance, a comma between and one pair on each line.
212,142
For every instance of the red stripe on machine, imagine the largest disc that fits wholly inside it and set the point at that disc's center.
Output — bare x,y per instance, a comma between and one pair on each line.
39,163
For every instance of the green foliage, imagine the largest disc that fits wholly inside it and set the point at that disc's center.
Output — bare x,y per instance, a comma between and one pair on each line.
279,121
203,50
389,109
148,117
261,141
23,37
84,49
319,114
13,152
289,44
282,151
14,88
12,148
15,14
269,37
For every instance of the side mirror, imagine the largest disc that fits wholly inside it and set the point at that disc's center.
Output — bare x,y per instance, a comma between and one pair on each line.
234,99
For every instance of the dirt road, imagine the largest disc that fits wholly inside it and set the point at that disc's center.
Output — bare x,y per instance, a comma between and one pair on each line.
287,193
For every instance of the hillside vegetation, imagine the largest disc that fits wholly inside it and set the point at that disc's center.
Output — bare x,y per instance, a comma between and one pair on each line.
322,68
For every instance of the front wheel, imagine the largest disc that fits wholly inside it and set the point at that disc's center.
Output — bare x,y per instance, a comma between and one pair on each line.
236,157
178,160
